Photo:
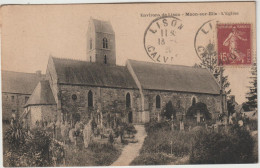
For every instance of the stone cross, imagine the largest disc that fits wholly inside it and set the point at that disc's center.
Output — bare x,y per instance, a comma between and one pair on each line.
198,116
172,121
181,125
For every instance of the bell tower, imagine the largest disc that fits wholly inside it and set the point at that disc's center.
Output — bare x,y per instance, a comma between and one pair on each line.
101,42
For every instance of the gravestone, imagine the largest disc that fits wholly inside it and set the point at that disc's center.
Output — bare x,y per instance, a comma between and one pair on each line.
87,133
181,125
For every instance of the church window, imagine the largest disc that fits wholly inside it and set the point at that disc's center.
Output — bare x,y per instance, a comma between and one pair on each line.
105,59
128,100
158,101
12,98
90,99
194,101
74,97
90,43
105,44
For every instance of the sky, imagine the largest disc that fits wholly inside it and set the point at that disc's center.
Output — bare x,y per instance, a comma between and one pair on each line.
32,33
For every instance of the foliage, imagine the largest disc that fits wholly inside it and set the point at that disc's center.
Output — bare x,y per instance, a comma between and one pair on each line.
15,136
202,146
153,159
168,111
209,61
220,148
252,94
198,107
230,107
155,126
35,148
96,154
160,142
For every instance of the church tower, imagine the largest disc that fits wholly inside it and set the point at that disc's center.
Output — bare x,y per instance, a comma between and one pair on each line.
101,42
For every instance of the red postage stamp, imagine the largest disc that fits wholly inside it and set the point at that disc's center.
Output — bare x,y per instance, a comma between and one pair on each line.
234,44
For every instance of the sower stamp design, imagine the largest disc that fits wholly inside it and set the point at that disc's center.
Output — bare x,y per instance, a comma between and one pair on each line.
234,44
160,38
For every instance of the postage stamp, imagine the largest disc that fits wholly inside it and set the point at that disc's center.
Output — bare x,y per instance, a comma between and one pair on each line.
160,37
234,44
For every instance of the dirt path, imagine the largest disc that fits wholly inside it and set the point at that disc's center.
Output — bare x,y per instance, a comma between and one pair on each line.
132,149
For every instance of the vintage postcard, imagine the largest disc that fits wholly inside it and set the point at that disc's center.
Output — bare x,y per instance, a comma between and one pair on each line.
129,84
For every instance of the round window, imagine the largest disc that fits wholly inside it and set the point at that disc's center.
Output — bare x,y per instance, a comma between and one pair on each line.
74,97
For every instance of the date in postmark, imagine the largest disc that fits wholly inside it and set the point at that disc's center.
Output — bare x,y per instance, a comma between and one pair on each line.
161,37
234,44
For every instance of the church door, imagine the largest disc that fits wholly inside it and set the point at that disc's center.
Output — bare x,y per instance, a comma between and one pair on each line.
130,117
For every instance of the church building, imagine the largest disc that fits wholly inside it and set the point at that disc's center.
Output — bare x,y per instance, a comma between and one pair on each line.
137,92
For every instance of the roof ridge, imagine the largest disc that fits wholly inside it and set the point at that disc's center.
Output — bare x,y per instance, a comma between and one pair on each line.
73,59
165,64
31,73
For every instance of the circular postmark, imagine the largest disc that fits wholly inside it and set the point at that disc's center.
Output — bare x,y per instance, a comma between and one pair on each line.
160,38
205,43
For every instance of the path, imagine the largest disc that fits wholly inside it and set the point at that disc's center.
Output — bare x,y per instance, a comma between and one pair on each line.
131,151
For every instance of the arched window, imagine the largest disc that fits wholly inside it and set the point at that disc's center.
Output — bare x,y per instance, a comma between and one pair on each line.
90,99
90,43
158,101
105,45
194,101
128,100
105,59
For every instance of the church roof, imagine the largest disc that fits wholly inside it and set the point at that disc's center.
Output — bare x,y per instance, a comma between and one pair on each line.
92,74
157,76
42,95
19,82
103,26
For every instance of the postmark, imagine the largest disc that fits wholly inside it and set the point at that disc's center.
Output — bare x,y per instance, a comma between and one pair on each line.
205,42
161,37
234,44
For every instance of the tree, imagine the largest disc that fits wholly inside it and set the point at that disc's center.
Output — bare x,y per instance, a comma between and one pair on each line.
209,61
252,94
236,146
192,111
230,107
169,110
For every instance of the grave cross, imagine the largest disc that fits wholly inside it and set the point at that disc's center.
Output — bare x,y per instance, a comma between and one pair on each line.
198,116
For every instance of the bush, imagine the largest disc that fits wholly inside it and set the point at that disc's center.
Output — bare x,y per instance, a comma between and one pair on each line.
34,149
96,154
198,107
221,148
153,159
155,126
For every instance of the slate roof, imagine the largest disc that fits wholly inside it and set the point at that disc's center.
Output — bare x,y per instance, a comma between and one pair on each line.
92,74
42,95
19,82
103,26
157,76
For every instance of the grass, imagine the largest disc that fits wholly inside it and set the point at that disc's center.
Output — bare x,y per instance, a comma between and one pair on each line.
95,155
163,146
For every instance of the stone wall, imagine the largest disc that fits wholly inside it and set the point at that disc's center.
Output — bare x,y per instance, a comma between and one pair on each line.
13,103
42,113
181,102
106,100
